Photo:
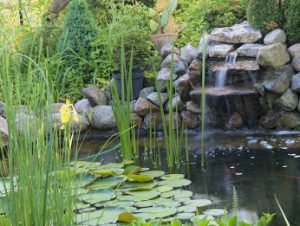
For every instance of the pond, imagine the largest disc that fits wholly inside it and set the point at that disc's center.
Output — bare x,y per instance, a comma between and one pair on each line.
256,166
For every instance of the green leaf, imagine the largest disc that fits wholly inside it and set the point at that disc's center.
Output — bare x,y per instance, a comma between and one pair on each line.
139,178
175,183
172,176
109,182
153,26
165,17
156,212
198,202
98,196
107,172
153,173
126,217
215,212
172,6
132,169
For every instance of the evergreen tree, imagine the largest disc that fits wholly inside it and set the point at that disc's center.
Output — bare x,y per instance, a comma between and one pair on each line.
292,25
79,33
264,15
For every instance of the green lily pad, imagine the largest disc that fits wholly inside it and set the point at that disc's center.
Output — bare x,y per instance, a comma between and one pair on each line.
139,178
177,194
109,182
103,216
184,216
84,164
185,199
136,185
107,172
187,209
201,218
127,162
175,183
145,195
98,196
115,203
157,212
172,176
198,202
158,202
111,165
82,205
126,217
163,189
215,212
132,169
153,173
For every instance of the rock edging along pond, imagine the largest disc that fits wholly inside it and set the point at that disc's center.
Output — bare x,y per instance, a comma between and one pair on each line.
251,82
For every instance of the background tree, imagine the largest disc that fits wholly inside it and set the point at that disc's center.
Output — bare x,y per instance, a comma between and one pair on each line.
264,15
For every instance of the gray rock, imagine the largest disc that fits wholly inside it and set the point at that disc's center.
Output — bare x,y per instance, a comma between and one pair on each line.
176,120
288,101
290,120
239,33
153,120
179,67
183,87
195,71
103,118
135,119
167,49
77,125
188,53
270,120
55,108
25,122
296,63
3,132
274,56
168,60
177,104
298,107
154,98
165,75
235,121
260,89
193,107
204,43
249,50
294,50
83,107
95,95
146,91
143,107
296,83
220,51
131,105
275,36
192,120
280,80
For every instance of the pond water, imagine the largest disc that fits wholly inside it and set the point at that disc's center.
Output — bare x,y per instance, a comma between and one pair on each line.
256,165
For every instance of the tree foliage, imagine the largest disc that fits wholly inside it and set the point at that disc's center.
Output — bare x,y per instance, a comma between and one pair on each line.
264,15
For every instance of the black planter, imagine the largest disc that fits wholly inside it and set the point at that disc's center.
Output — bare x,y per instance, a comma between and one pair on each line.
137,82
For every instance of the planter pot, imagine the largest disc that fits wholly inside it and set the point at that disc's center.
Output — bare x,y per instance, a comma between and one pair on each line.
160,40
137,82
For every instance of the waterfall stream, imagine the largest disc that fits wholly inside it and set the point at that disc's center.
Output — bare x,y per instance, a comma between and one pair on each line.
222,74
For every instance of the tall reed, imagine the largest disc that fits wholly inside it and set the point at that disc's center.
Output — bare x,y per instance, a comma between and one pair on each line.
40,189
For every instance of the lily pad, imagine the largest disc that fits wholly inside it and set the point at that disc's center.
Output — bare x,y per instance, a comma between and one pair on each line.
177,194
153,173
98,196
126,217
139,178
145,195
132,169
109,182
157,212
198,202
172,176
175,183
201,218
187,209
107,172
111,165
115,203
158,202
163,189
215,212
128,162
184,216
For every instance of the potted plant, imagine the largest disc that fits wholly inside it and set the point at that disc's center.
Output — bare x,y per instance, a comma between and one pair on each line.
164,25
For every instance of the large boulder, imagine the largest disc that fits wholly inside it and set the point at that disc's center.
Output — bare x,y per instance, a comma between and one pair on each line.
154,98
204,42
294,50
239,33
271,120
274,56
103,118
143,107
290,120
167,49
183,87
83,107
55,108
95,95
188,53
279,81
192,120
296,63
177,104
153,120
275,36
193,107
168,60
165,75
195,71
249,50
288,101
146,91
78,124
3,131
296,83
235,121
220,50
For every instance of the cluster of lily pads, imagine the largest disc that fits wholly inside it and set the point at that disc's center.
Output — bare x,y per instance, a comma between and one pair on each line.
118,193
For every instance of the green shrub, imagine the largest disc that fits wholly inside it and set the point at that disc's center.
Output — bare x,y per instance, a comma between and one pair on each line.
76,41
264,15
204,15
292,25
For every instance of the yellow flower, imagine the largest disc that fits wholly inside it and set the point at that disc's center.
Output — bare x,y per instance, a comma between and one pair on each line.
67,111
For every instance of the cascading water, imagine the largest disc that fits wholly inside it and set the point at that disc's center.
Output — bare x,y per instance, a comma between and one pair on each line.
222,74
